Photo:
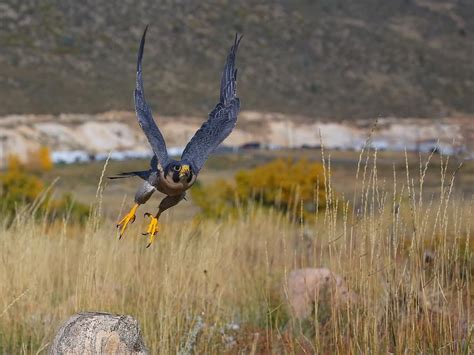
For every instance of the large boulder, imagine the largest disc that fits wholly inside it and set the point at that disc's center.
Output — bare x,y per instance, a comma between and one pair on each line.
99,333
305,287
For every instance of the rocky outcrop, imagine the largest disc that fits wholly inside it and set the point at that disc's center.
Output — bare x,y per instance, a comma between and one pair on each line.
116,131
305,287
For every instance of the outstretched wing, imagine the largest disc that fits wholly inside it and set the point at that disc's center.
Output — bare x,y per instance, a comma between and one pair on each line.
145,118
222,118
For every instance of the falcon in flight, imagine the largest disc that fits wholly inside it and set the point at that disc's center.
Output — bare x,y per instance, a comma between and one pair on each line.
169,176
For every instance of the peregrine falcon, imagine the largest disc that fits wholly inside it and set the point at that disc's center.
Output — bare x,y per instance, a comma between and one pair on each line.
169,176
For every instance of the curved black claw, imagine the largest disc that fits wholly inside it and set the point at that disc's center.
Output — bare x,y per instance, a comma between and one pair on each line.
146,214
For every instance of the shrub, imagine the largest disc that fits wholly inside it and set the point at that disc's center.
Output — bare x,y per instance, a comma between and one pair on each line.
17,186
67,207
282,184
20,185
215,200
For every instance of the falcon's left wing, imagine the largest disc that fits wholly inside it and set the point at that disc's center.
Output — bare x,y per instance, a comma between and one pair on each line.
222,118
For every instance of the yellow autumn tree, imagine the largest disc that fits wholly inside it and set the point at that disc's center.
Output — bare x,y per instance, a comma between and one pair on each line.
14,163
45,160
40,160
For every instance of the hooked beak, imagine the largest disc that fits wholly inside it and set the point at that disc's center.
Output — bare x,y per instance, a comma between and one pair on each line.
185,171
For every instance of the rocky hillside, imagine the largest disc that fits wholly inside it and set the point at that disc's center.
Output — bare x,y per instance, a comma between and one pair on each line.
324,58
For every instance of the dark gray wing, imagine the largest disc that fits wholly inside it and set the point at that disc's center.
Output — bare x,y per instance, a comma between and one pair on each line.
145,118
222,118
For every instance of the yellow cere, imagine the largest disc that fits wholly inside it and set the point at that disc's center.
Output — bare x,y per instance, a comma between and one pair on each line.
184,169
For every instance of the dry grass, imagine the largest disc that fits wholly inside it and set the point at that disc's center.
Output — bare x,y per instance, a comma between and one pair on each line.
409,259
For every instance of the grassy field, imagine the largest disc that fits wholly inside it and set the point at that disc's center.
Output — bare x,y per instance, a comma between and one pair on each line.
398,229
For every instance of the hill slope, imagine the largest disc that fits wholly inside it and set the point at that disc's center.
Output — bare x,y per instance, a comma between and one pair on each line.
327,58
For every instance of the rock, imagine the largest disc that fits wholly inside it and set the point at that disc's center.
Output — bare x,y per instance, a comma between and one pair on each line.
310,285
99,333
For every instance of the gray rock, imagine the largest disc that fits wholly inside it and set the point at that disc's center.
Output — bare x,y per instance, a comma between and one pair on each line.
99,333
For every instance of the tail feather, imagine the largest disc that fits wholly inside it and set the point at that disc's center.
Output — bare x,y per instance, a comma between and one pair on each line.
145,174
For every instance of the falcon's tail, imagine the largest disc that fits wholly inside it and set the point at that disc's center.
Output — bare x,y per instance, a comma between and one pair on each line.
145,174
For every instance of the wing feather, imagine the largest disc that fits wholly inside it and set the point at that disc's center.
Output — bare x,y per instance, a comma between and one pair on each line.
144,115
222,118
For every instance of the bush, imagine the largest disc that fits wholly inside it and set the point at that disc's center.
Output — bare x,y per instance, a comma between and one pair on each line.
20,185
17,186
215,200
282,184
67,207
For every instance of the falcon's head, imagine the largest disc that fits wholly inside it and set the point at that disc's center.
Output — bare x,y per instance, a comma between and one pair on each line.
180,171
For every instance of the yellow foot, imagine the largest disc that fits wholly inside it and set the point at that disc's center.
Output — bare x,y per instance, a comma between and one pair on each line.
129,218
153,229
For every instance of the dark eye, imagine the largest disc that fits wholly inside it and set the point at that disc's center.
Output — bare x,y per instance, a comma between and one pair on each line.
176,168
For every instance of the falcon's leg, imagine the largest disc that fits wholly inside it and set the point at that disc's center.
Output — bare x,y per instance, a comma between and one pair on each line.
153,227
142,195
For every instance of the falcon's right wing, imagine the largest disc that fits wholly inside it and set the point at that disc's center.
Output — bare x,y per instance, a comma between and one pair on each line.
222,118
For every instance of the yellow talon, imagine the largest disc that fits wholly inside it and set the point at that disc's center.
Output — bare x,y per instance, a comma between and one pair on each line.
129,218
152,230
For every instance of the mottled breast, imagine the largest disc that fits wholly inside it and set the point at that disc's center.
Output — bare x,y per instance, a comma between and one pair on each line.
168,186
